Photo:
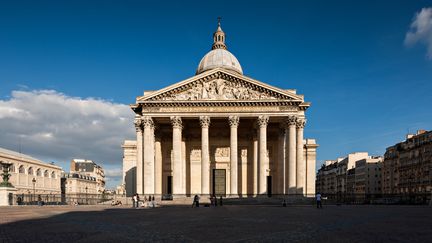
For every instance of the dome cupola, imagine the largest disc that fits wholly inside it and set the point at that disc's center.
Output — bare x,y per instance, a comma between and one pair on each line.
219,38
219,56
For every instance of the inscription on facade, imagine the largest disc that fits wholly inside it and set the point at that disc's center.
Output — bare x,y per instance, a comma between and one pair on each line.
219,109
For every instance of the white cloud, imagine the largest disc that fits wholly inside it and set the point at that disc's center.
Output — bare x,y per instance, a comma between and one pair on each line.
55,127
114,172
421,30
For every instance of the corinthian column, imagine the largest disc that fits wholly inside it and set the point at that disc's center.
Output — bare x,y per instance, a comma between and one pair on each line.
262,162
280,178
177,155
234,122
292,171
301,165
149,166
158,165
139,159
205,157
255,163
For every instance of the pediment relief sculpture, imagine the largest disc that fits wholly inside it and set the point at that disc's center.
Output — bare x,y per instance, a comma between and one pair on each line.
219,89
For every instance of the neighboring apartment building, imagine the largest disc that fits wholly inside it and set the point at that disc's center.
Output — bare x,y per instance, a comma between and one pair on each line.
89,168
78,184
345,164
357,173
350,179
31,176
368,177
408,165
326,177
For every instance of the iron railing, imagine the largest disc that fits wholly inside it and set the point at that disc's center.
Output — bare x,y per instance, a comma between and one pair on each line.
61,199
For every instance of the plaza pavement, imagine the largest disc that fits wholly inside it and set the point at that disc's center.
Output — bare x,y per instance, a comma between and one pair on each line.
254,223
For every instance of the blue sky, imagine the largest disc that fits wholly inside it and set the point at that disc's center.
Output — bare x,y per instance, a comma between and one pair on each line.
368,88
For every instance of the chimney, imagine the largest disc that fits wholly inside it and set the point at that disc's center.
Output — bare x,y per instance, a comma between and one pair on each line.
421,131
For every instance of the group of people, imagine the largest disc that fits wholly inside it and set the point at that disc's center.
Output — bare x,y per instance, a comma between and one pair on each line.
150,202
213,201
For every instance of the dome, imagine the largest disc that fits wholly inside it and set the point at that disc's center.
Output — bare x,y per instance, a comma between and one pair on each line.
219,58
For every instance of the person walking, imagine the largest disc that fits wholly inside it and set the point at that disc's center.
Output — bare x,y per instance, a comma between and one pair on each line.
135,200
153,203
40,202
318,200
195,202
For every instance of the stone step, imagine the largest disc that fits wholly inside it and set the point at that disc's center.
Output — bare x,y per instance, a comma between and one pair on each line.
295,200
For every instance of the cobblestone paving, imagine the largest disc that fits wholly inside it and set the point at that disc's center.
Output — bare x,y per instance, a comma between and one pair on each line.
219,224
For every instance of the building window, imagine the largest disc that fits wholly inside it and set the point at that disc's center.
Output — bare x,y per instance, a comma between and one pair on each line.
53,175
38,172
30,171
12,168
46,174
21,169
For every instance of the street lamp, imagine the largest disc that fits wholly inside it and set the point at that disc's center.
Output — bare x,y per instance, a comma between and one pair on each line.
34,191
86,194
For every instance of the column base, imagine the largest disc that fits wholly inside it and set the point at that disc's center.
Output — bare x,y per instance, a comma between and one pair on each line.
7,196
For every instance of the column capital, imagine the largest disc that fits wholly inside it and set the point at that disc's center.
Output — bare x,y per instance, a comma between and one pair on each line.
176,122
291,121
138,124
233,121
263,121
204,121
300,123
147,122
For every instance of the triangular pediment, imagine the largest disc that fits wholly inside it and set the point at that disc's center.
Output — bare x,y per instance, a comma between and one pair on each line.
220,85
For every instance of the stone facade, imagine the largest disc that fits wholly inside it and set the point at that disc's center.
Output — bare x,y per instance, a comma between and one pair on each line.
220,133
75,184
368,176
129,167
326,178
31,176
408,165
89,168
354,176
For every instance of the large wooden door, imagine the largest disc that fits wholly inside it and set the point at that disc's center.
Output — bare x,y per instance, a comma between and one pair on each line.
269,186
169,185
219,182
